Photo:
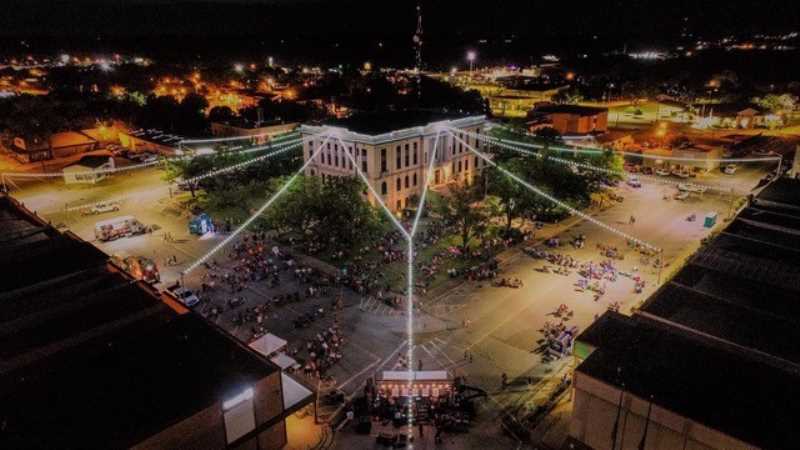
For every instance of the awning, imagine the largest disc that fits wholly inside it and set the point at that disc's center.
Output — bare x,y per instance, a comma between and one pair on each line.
294,393
283,361
268,344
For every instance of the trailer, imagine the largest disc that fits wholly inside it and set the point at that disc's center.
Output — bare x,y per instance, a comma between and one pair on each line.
123,226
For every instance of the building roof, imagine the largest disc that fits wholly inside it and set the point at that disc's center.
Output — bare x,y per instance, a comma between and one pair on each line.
783,192
156,136
733,311
126,387
91,161
570,109
383,122
89,357
70,139
696,378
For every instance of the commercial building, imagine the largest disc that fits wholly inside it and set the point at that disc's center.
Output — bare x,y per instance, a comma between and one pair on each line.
261,131
58,145
710,360
571,119
91,358
694,157
392,151
90,169
152,141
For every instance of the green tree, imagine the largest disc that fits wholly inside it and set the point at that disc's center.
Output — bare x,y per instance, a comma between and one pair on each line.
510,198
776,103
333,214
464,209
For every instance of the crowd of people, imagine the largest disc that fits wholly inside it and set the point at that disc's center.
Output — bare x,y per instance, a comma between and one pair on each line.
322,352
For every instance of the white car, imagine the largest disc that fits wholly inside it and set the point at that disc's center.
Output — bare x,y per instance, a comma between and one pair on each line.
683,195
185,296
662,172
730,169
634,182
100,208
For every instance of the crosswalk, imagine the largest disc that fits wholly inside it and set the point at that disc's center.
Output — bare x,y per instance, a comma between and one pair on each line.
378,307
443,354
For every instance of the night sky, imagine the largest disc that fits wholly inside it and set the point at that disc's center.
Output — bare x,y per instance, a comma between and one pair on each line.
305,31
627,19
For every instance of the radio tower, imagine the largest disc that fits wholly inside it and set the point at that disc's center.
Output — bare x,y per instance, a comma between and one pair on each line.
418,50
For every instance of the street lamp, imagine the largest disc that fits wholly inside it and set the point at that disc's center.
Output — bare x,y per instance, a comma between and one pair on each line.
471,58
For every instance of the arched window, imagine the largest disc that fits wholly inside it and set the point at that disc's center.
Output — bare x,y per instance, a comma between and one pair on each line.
384,189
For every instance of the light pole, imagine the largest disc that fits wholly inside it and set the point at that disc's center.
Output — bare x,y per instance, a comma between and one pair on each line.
471,58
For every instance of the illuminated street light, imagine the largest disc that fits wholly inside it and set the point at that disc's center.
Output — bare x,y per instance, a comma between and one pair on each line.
471,55
239,68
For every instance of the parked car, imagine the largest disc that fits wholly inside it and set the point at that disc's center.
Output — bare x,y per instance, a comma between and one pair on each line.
662,172
730,169
634,182
185,296
683,195
100,208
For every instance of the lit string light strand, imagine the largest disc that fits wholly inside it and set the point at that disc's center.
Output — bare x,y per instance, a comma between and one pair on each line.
255,215
596,151
558,202
621,173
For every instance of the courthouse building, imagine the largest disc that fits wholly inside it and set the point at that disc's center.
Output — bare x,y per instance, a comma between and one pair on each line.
392,151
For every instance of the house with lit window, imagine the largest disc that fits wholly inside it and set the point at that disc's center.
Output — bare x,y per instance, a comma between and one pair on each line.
392,150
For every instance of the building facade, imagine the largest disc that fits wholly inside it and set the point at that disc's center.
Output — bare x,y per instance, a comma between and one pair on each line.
573,119
395,162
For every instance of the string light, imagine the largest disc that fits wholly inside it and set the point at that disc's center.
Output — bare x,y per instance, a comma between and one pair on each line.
243,164
555,200
425,187
237,138
598,169
255,215
137,166
388,212
279,150
596,151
